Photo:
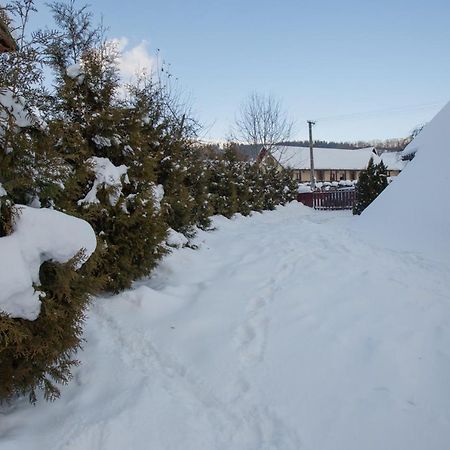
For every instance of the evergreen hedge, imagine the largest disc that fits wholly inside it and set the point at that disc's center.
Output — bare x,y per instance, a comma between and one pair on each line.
140,129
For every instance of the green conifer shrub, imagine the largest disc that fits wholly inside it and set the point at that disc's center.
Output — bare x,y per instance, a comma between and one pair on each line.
96,132
39,354
371,183
237,186
146,136
35,354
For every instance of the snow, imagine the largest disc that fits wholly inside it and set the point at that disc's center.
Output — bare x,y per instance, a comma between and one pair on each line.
158,195
76,72
393,160
176,239
412,214
39,235
324,158
346,183
101,141
303,188
2,191
282,331
107,175
11,105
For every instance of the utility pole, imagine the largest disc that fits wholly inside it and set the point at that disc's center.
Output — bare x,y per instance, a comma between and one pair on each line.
311,154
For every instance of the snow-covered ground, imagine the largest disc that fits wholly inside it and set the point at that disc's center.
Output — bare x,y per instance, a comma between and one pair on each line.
282,331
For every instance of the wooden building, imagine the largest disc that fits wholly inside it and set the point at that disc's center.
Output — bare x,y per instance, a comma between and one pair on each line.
7,43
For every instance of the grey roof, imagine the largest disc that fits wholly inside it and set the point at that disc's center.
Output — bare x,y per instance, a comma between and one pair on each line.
249,151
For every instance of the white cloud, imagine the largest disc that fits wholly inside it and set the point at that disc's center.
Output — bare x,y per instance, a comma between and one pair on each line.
134,60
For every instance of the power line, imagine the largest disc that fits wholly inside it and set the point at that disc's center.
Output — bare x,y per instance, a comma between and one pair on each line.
378,112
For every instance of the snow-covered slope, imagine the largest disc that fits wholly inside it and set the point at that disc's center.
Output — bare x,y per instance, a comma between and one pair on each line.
282,332
39,235
413,213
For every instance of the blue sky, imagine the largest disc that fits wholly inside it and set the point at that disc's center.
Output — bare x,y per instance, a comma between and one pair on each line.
322,58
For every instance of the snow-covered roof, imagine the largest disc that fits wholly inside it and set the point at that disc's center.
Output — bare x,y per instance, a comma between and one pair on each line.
324,158
393,160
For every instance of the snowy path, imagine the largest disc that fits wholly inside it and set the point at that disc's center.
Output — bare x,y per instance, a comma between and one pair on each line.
281,332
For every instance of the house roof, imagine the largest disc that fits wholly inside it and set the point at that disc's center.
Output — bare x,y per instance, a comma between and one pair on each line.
393,160
7,43
249,151
324,158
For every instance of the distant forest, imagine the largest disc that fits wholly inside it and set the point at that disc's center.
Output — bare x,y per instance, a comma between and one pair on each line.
251,151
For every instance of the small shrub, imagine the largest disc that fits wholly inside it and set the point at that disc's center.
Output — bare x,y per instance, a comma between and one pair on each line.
39,354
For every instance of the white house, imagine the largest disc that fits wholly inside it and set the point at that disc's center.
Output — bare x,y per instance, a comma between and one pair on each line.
330,164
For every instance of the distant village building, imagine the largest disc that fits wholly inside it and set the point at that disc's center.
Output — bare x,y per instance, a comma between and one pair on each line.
330,164
250,152
7,43
394,161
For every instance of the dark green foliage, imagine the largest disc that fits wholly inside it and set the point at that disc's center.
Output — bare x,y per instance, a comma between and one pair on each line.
179,204
38,354
92,122
129,236
6,216
31,169
236,186
197,181
227,183
151,136
370,185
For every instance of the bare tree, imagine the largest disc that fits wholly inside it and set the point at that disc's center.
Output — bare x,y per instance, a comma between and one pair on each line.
262,121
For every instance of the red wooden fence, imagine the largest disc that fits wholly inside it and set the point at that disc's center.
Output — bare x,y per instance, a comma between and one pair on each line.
328,199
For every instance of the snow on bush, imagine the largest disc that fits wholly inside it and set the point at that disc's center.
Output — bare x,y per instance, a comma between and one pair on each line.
12,106
107,175
101,141
39,235
158,195
176,239
76,72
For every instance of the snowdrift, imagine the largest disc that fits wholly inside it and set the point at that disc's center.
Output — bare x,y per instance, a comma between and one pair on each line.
39,235
413,213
